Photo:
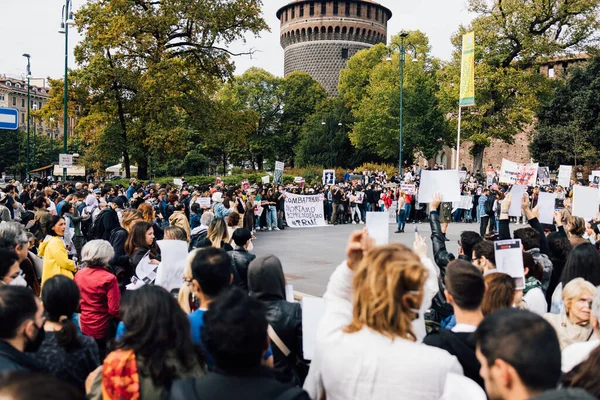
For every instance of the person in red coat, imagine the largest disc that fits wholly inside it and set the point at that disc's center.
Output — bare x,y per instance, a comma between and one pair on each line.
100,295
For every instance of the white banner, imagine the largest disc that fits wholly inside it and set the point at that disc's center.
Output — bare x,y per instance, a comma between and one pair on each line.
518,174
444,182
409,188
465,203
564,175
278,173
304,211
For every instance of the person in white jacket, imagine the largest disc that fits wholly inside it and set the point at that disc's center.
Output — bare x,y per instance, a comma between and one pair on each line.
366,346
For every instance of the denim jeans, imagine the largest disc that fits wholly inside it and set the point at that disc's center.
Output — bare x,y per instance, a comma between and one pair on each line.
402,219
407,209
271,217
363,212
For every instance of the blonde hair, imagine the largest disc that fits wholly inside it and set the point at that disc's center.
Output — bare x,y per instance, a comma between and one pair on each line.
130,217
185,292
217,232
574,289
388,285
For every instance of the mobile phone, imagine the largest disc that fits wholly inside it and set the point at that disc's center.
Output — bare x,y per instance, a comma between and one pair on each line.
416,228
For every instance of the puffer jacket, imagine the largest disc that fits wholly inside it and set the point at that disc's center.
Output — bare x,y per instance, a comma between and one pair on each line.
240,259
56,259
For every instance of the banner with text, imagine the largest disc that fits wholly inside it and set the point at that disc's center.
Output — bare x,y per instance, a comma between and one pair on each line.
467,71
518,174
304,211
278,173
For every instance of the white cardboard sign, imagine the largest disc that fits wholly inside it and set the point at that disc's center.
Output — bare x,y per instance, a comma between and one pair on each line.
378,225
586,201
444,182
545,205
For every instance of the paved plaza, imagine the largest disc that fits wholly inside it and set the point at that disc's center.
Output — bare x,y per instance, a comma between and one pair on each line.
310,255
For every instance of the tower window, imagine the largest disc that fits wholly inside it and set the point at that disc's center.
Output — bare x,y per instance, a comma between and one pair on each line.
312,9
347,8
358,9
376,14
293,12
286,15
301,10
335,7
323,7
369,12
345,54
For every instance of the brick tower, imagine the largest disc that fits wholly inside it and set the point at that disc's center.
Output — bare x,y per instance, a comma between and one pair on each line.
318,37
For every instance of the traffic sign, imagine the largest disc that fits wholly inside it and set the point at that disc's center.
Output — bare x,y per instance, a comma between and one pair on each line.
65,160
9,118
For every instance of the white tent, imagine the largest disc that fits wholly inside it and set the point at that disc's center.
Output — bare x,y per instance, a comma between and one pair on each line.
120,170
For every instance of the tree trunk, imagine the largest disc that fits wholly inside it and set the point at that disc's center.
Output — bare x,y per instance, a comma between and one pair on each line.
477,152
122,121
143,168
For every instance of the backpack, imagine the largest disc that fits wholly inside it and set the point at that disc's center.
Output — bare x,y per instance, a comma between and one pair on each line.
197,239
97,230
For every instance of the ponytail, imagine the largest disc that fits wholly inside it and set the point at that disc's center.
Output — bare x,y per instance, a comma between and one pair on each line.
68,337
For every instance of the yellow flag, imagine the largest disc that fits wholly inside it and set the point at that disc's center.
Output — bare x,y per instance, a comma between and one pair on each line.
467,72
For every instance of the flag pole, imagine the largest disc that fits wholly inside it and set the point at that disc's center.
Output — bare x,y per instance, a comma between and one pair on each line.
458,139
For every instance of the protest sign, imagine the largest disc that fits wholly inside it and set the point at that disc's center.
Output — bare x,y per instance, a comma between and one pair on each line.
178,182
544,175
278,173
490,174
378,227
465,203
328,177
518,174
586,201
545,205
265,179
304,211
393,212
204,202
509,260
299,181
517,192
313,309
173,253
409,188
462,175
218,180
245,184
146,271
564,175
444,182
357,179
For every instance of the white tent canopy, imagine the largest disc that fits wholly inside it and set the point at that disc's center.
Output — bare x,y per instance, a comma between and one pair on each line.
119,169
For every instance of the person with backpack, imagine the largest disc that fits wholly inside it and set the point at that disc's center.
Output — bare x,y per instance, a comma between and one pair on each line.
106,221
198,234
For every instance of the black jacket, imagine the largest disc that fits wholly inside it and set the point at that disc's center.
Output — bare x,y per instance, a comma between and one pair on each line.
108,221
266,282
461,345
240,259
12,359
118,237
256,384
442,258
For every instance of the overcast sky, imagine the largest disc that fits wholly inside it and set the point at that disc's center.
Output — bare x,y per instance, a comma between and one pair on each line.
31,26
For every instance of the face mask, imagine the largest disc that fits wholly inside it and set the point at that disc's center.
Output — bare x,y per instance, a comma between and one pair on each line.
18,281
33,346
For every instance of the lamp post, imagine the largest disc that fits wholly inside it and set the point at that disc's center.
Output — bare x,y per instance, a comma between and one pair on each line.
66,21
28,57
402,47
34,137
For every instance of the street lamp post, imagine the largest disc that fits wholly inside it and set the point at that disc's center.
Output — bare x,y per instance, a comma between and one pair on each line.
67,20
331,139
34,137
28,57
402,47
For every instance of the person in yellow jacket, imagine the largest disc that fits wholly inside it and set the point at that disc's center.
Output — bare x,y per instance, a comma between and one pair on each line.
53,251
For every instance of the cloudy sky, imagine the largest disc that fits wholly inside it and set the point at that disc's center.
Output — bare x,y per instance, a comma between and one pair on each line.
33,29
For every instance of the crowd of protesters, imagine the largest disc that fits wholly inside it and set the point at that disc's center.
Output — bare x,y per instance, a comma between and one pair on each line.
397,324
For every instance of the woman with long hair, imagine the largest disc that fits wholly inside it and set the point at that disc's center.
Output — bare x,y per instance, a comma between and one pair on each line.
367,330
218,236
149,215
155,350
118,237
139,242
66,353
54,252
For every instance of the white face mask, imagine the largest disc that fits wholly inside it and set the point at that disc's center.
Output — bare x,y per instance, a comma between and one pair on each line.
18,281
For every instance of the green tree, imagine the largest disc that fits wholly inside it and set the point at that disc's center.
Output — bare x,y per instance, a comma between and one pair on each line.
511,38
301,96
375,102
153,66
568,130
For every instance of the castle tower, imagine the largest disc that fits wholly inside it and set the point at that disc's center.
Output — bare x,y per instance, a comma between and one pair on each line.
318,37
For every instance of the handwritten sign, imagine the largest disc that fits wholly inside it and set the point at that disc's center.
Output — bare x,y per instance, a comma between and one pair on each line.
304,211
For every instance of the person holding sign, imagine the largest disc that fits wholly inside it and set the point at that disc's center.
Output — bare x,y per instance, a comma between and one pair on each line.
358,338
